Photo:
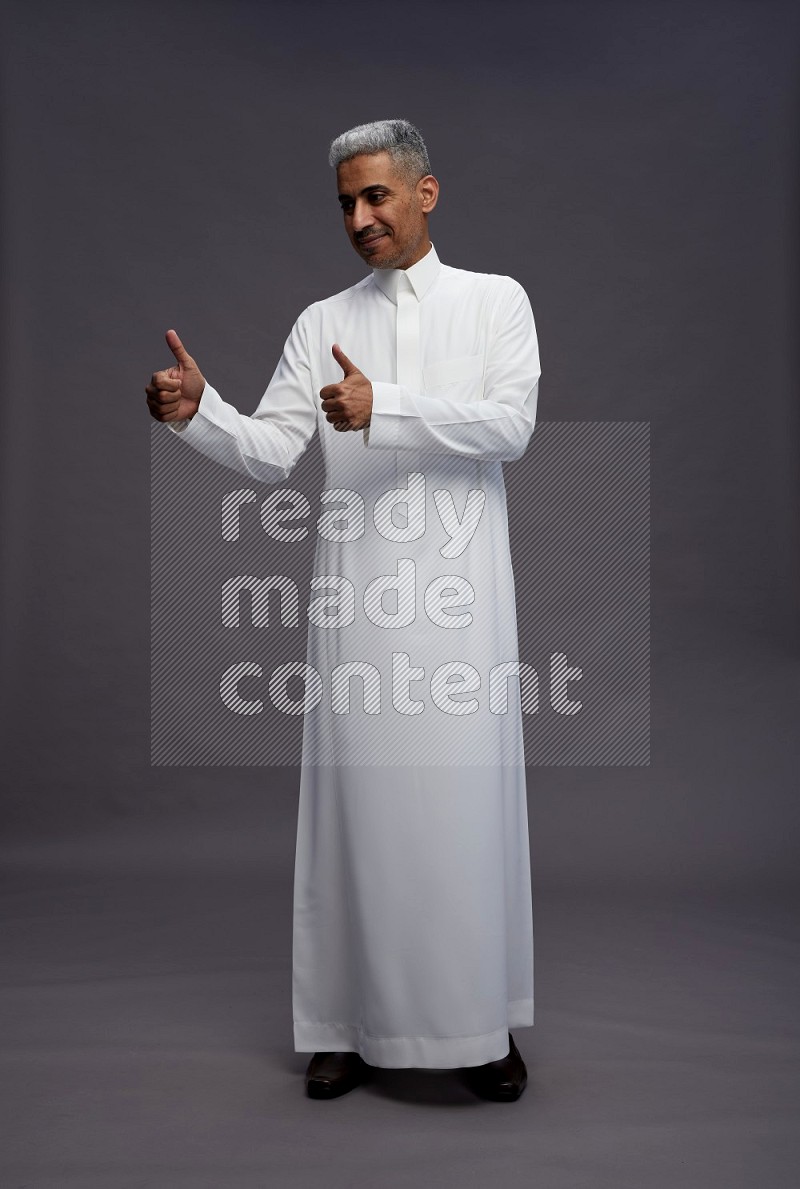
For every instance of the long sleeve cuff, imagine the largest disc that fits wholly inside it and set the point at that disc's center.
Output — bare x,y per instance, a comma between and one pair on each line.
382,431
190,426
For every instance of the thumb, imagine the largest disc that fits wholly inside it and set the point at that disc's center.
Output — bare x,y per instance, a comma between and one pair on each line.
177,348
347,365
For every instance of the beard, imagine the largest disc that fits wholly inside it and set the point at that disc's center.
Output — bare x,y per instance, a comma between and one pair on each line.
394,257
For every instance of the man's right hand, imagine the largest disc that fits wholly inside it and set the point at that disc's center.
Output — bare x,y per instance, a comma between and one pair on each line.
174,394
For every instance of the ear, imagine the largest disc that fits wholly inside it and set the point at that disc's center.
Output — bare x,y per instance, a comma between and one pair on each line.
428,191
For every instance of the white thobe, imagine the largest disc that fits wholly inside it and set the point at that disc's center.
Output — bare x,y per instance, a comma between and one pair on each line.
413,936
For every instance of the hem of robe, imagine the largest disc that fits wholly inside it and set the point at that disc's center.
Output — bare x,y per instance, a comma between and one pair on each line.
418,1052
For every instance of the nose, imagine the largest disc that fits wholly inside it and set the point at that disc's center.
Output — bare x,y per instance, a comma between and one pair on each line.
362,215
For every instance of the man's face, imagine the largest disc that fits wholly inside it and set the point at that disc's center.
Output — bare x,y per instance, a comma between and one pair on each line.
385,216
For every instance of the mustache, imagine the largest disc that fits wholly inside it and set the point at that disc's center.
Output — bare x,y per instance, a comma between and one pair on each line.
369,235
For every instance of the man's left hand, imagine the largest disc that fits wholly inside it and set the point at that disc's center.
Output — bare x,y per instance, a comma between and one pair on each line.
348,404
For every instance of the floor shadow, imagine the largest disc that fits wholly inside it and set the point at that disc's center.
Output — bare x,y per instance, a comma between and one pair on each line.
432,1087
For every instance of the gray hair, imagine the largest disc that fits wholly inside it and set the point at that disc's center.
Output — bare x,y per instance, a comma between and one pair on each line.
397,137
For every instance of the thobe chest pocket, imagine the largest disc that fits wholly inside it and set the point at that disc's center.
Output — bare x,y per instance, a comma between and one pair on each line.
460,378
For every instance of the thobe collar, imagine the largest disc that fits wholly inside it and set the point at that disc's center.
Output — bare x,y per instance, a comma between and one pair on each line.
419,276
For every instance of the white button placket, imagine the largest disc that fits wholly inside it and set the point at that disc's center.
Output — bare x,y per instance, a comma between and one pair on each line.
409,371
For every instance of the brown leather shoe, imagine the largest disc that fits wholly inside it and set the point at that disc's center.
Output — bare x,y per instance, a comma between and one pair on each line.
331,1074
502,1080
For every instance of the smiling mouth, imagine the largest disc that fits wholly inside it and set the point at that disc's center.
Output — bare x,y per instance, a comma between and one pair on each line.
371,239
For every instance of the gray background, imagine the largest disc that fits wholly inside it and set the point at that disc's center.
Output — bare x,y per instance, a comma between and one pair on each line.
634,166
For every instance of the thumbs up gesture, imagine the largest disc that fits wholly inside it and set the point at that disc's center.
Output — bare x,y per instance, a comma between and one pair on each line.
348,404
174,394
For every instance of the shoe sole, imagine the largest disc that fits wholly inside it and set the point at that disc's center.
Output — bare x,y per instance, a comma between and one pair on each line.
496,1094
509,1096
326,1089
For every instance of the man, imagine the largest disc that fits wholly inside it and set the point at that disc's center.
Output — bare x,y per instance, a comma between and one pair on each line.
413,939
